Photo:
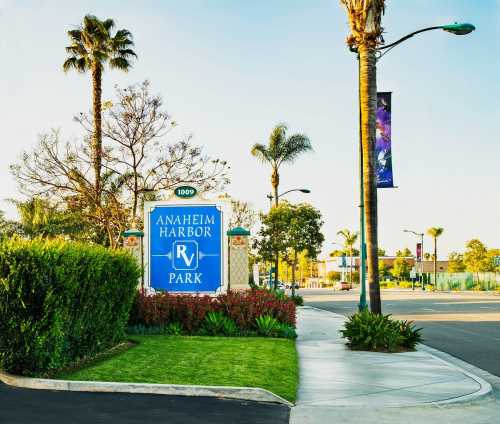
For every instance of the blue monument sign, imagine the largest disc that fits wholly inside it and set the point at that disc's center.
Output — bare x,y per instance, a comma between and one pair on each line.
185,251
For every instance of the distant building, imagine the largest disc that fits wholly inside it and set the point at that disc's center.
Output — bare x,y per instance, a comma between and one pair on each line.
342,264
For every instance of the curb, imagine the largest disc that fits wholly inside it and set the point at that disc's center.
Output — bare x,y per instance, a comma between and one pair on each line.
485,389
242,393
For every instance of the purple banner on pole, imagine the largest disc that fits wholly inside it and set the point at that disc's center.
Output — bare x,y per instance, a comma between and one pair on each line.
383,148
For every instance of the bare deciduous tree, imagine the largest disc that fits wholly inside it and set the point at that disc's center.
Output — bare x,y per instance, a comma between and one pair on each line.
134,129
137,161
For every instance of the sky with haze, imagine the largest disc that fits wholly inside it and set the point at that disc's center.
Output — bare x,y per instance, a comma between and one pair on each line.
229,70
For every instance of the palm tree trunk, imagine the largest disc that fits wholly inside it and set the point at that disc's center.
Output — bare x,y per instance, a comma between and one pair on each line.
435,261
350,265
96,147
368,94
275,181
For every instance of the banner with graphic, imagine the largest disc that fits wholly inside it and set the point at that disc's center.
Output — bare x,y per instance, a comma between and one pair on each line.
383,148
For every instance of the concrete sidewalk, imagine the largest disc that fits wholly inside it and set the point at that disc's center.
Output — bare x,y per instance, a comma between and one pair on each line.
335,378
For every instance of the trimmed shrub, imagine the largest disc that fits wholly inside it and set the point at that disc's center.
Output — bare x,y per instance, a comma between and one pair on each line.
60,302
242,308
368,331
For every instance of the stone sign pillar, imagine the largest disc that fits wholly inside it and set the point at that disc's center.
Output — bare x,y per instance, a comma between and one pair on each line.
132,241
238,258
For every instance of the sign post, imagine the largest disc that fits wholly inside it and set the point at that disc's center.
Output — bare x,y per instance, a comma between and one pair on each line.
238,258
132,241
186,243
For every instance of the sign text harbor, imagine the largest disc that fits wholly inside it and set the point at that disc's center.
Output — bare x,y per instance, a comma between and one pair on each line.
185,251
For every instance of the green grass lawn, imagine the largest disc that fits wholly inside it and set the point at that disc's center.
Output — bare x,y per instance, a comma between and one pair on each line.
212,361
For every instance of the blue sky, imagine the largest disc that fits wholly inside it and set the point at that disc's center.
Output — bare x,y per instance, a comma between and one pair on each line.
230,70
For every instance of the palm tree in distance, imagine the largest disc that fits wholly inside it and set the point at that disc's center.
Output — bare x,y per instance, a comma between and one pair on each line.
92,46
365,18
435,232
279,150
349,241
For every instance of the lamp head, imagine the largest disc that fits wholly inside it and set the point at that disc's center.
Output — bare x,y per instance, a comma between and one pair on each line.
459,28
305,190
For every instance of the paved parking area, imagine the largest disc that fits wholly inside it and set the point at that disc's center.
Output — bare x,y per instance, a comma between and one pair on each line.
21,406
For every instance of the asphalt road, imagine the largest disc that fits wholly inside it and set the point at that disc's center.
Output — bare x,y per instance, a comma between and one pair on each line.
21,406
465,325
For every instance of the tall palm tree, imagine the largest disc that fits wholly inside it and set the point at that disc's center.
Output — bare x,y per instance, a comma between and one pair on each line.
435,232
350,239
279,150
365,18
92,46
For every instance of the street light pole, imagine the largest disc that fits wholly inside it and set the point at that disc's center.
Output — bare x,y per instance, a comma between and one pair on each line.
456,29
421,235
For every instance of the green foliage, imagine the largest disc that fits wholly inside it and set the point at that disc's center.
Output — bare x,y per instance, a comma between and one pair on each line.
171,329
405,253
281,148
41,218
401,268
298,300
266,325
286,331
333,276
456,262
350,239
476,257
229,328
435,232
218,324
383,269
60,302
299,229
278,293
7,227
214,323
92,45
411,335
375,332
174,329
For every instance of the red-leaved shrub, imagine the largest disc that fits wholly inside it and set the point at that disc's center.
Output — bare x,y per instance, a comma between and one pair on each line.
190,310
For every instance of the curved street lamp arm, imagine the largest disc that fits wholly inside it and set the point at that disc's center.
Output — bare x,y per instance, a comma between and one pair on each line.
289,191
389,46
413,232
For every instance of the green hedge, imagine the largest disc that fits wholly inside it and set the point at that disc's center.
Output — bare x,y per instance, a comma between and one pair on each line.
61,301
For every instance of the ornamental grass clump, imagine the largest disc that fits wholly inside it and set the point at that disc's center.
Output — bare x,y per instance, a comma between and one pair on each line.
375,332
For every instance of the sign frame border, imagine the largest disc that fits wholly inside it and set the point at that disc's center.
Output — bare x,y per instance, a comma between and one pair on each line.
222,203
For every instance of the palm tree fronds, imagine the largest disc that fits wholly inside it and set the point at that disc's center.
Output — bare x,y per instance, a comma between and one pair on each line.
108,24
435,232
126,53
260,152
120,63
295,146
73,62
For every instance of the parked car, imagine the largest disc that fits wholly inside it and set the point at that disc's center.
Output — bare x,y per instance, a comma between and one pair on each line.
344,285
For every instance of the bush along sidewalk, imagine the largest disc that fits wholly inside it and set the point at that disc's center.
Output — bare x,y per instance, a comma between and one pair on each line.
61,302
373,332
254,312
